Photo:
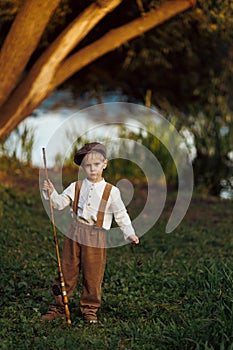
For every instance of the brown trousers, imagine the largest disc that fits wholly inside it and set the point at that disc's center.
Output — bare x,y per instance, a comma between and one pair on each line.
84,250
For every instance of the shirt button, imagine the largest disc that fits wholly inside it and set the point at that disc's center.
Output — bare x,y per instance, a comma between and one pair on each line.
88,204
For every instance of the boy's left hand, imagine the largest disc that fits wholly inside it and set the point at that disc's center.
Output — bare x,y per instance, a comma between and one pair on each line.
134,239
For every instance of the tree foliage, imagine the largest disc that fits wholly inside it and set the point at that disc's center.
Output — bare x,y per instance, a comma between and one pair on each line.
186,62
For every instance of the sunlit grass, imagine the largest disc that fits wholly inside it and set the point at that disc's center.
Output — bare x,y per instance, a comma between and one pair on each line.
180,297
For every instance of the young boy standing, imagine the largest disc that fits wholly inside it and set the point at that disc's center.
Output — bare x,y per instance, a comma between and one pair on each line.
93,202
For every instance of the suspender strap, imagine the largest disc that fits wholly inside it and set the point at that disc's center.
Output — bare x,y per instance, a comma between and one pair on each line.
76,197
102,206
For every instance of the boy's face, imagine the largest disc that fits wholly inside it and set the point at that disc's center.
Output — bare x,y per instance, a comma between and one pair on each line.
94,164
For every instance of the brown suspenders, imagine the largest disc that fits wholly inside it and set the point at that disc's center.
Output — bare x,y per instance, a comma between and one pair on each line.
76,196
102,206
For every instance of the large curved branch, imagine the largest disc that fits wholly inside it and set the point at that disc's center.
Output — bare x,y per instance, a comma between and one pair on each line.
48,63
37,84
21,42
116,37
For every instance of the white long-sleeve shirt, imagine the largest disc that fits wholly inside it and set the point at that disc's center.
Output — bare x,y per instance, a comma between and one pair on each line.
89,201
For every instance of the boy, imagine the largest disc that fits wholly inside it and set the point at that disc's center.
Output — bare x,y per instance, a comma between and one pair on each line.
93,202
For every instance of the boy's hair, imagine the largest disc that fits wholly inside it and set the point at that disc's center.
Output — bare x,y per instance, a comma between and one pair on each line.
87,148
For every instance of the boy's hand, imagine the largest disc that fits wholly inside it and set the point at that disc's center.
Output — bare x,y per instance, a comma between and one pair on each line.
48,186
134,239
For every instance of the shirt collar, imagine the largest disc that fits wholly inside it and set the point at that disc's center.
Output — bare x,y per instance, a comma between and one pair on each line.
94,184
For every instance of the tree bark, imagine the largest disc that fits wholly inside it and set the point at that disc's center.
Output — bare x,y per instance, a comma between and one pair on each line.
51,70
21,42
36,85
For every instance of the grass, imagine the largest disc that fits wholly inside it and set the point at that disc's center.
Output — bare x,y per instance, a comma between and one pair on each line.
179,298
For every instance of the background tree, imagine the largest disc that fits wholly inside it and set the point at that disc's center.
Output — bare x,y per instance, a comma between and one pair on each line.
183,66
22,90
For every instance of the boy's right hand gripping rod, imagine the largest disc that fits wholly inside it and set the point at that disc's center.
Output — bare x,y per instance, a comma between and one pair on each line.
62,281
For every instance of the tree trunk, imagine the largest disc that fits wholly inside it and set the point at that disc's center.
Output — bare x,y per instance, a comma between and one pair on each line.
21,42
50,71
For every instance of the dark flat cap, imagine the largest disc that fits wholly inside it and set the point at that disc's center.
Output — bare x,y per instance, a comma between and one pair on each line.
87,148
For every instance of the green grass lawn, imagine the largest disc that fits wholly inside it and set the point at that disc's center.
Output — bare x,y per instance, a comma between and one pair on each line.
179,298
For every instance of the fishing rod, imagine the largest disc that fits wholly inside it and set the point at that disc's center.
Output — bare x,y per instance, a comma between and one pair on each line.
61,276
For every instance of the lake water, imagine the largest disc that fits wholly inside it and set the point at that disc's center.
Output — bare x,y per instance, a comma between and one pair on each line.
60,113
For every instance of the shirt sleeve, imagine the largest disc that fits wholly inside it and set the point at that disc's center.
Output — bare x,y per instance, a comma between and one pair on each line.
120,214
63,200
